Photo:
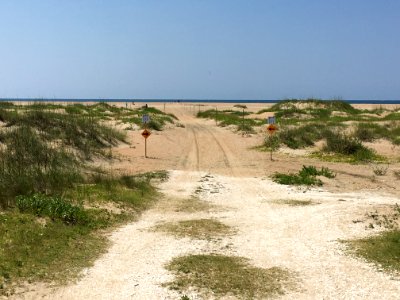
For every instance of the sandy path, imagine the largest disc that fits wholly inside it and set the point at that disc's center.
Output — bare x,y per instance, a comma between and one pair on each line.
301,239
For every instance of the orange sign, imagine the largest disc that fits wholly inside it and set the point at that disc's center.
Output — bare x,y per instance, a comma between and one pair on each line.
146,133
271,128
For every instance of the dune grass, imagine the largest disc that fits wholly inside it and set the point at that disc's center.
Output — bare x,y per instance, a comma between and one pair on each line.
302,123
220,276
231,117
52,202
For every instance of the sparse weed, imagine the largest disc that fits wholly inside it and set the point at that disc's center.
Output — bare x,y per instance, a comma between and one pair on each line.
380,169
295,202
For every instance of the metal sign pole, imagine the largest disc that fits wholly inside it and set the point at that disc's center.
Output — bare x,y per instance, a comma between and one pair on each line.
271,152
145,148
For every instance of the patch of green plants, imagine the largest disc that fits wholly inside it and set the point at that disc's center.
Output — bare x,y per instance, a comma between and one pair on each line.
52,207
220,275
33,249
52,238
302,136
198,229
368,132
382,249
231,117
306,176
29,165
51,201
310,109
158,119
81,132
133,191
348,146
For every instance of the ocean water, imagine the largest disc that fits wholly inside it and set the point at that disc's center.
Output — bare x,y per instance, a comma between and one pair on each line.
358,101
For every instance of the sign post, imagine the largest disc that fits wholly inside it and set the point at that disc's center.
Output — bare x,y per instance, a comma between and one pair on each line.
146,133
271,129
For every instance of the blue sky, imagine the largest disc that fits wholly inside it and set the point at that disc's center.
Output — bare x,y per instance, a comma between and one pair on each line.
202,49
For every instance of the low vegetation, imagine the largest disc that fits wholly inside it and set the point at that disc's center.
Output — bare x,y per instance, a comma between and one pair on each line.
342,127
198,229
231,117
292,202
158,119
220,276
382,249
52,201
306,176
35,249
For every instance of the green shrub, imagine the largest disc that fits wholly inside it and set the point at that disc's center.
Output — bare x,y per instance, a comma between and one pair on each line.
295,179
53,207
306,176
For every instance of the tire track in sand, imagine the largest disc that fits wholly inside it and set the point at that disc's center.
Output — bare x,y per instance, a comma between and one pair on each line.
188,162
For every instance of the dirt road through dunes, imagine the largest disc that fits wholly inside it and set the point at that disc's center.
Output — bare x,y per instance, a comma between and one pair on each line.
217,167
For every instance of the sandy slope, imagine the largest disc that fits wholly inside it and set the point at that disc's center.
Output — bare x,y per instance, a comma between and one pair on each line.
301,239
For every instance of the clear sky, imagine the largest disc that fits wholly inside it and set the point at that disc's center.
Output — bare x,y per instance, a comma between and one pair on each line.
201,49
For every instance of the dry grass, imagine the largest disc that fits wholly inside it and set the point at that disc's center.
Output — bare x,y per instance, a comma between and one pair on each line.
218,276
194,204
198,229
187,205
295,202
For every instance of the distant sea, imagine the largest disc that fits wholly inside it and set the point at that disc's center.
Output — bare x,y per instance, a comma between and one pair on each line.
183,100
